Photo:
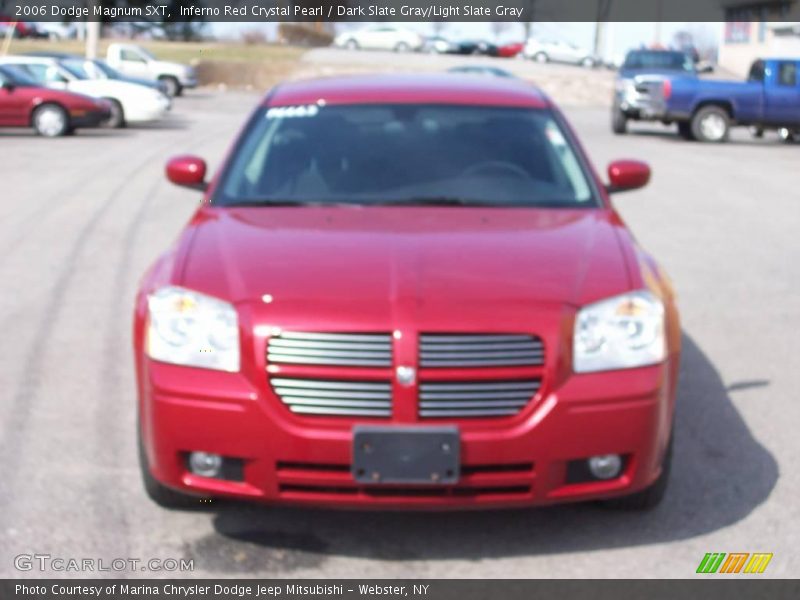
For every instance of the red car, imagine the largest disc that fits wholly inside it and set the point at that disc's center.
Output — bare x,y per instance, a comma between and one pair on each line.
407,292
510,50
51,113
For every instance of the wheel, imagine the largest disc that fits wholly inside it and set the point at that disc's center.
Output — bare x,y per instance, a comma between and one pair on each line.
711,124
50,120
172,86
117,118
587,62
540,57
619,122
649,497
351,44
160,494
685,130
757,132
402,47
788,136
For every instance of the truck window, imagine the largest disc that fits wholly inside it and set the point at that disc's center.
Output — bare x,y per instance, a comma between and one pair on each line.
787,74
131,55
756,71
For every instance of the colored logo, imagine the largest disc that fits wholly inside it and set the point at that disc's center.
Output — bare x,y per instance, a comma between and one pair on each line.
735,562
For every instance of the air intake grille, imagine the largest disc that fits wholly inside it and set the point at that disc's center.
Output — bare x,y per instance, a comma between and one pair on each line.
505,350
335,397
346,349
475,398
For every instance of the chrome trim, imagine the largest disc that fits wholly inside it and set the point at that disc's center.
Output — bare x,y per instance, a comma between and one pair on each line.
480,350
335,397
342,349
465,399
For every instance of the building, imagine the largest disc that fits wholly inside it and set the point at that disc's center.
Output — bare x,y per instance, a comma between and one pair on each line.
759,29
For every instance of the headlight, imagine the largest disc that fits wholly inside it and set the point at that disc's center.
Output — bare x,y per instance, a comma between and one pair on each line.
619,333
192,329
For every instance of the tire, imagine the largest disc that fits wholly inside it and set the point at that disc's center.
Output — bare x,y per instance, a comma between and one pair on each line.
649,497
712,124
685,130
788,136
757,132
541,57
157,492
587,62
619,122
172,85
50,120
351,44
402,47
117,118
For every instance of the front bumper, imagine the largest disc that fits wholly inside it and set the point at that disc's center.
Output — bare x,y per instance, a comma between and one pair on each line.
506,462
85,119
640,105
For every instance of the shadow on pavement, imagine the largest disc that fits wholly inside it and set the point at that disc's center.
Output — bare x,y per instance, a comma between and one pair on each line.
720,474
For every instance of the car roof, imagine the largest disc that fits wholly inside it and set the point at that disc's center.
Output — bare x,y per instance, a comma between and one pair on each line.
443,88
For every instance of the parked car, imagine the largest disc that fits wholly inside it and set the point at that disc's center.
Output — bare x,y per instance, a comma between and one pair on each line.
638,85
475,47
707,109
558,51
367,363
134,61
51,113
381,36
438,45
480,70
98,68
510,50
21,29
57,31
130,103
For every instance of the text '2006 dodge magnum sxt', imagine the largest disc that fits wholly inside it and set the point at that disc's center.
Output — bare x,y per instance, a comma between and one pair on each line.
406,292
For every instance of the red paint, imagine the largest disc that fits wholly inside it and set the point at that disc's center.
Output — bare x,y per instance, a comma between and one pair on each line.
188,171
17,103
410,269
626,175
510,50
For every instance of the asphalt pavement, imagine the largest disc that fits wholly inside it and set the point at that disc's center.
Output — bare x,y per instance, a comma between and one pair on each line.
82,217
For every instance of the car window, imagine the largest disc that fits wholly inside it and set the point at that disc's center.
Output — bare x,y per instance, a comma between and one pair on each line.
657,59
366,154
45,73
131,55
787,74
756,71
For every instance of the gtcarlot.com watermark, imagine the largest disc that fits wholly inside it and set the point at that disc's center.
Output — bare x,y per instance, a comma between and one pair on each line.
61,564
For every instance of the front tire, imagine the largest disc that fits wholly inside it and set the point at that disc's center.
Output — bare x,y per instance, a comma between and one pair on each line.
711,124
117,118
619,122
50,120
649,497
172,86
402,47
587,62
351,45
541,57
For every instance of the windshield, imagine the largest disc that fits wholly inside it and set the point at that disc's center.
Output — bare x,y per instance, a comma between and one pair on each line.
17,76
384,154
109,71
671,61
75,68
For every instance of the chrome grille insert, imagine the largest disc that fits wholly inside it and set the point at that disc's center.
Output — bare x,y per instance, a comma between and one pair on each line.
480,350
345,349
335,397
475,398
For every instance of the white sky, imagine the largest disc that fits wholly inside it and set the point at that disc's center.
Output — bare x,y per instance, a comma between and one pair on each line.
620,37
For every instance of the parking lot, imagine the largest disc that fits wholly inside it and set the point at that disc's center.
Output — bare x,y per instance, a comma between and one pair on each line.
83,216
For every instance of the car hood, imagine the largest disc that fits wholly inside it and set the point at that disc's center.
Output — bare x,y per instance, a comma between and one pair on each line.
310,256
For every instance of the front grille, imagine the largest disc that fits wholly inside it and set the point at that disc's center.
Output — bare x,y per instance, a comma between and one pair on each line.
345,349
475,398
335,397
480,350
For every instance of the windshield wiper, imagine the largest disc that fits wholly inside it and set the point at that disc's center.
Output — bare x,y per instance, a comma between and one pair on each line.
436,201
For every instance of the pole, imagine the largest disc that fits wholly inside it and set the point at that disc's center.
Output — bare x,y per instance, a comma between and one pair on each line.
92,33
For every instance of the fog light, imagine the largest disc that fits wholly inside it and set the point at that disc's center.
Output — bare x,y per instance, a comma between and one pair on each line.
205,464
605,466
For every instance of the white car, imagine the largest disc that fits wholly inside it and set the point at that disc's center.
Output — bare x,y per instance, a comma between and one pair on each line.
135,61
382,36
558,51
130,102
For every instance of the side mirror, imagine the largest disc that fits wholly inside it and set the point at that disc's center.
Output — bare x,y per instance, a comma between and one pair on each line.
187,171
624,175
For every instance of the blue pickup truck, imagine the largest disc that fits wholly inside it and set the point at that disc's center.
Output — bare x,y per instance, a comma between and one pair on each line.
705,110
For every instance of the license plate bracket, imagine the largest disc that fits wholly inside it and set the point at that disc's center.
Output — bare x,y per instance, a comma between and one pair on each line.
406,455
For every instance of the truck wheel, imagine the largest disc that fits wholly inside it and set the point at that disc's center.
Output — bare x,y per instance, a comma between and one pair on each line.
711,124
159,493
117,118
541,57
649,497
685,130
788,136
50,120
172,86
619,122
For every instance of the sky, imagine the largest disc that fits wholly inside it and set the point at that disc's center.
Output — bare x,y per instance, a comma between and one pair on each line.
620,37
